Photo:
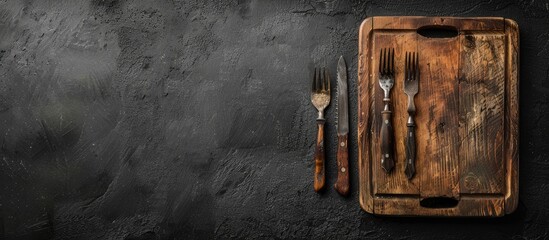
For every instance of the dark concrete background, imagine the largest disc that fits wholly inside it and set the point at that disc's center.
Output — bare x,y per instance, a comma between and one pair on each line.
192,120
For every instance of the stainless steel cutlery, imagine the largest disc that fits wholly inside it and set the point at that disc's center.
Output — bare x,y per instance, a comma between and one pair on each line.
411,84
386,82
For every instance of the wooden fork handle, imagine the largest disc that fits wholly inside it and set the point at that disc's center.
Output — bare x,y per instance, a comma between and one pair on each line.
342,184
387,145
319,178
410,169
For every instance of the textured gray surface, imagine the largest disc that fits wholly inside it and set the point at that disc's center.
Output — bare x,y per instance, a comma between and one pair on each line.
192,120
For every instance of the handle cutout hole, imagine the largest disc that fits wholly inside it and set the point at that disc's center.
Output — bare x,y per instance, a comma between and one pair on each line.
439,202
438,31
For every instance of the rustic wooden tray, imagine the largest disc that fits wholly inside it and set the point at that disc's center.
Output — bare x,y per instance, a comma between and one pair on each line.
467,118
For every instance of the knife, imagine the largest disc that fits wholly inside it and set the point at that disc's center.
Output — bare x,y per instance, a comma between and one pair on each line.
342,184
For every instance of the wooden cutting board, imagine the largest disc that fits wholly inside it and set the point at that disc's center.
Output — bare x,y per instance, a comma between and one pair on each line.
467,117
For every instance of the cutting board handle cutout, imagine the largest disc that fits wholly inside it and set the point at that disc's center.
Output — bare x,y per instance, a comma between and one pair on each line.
439,202
438,31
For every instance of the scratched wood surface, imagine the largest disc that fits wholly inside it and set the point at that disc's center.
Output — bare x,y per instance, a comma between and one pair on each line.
481,111
467,117
437,117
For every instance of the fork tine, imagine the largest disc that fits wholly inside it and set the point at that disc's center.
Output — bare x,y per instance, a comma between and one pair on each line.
384,70
388,61
322,77
327,79
413,65
317,79
389,64
417,67
412,77
382,61
409,66
393,61
314,81
385,61
388,54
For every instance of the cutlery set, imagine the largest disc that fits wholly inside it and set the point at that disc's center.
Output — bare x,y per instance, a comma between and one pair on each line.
437,134
320,97
411,87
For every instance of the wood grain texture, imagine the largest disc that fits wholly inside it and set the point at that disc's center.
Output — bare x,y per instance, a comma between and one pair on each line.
342,183
413,23
466,122
511,121
319,174
468,206
437,117
481,111
365,107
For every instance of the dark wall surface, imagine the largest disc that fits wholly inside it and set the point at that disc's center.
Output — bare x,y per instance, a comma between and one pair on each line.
192,119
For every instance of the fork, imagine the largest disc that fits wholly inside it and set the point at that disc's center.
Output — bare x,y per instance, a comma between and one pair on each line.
386,81
411,79
320,97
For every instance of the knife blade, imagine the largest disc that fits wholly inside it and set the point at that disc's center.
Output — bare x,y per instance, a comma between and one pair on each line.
342,183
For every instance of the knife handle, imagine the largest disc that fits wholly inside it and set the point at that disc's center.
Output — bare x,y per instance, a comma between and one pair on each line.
387,153
410,169
342,184
319,179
